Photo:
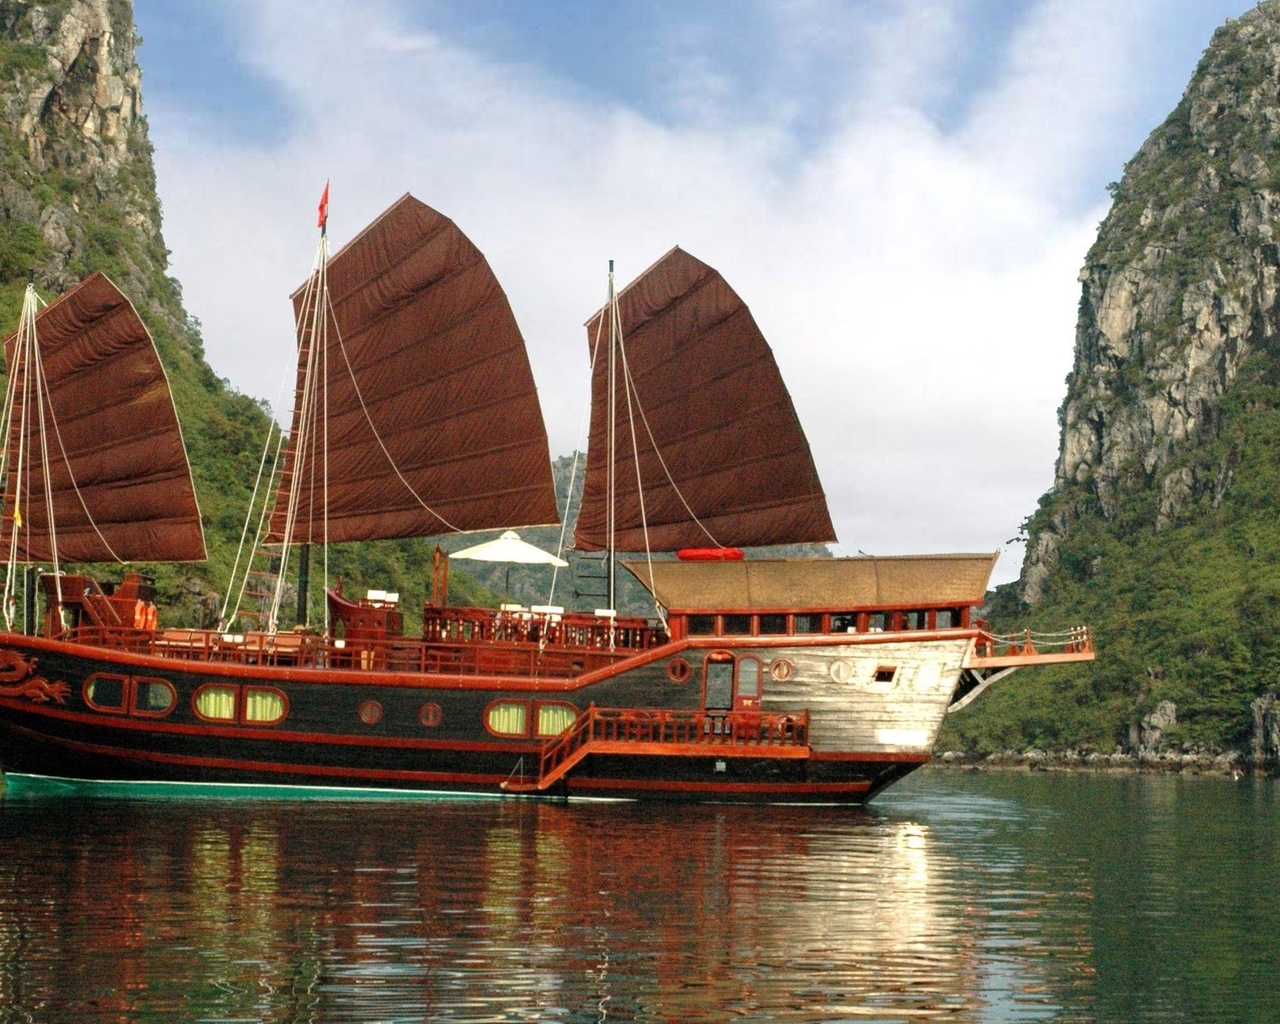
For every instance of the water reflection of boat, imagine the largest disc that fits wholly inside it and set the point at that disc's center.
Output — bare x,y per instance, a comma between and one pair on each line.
810,679
286,911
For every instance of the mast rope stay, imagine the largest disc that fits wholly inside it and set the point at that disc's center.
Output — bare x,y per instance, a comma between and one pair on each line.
224,621
577,455
629,388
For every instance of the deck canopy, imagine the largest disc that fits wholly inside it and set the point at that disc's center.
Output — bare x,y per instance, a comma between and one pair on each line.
722,457
429,421
836,584
117,466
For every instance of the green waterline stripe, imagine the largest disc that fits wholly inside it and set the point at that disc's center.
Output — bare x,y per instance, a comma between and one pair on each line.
20,785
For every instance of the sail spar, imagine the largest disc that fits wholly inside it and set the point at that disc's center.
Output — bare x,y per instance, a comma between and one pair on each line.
118,480
433,421
723,459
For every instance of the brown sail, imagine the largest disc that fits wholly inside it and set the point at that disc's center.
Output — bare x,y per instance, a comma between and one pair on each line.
120,481
735,468
433,421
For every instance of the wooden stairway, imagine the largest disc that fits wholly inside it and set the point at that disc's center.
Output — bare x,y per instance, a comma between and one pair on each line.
666,733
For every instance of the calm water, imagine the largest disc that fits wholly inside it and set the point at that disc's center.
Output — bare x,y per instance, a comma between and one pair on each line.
958,896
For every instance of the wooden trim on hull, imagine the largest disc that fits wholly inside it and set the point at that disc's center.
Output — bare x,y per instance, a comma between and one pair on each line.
810,792
351,676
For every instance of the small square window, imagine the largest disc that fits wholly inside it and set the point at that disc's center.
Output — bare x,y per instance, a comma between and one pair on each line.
702,625
885,673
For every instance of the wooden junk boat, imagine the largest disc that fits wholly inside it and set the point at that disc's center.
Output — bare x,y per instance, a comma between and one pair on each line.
797,679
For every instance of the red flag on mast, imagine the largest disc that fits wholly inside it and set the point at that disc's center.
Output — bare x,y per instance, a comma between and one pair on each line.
324,207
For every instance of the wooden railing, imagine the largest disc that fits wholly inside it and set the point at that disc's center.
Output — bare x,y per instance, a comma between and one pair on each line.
597,726
394,654
1028,647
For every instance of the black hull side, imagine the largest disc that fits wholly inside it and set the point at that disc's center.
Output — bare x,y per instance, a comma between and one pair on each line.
323,742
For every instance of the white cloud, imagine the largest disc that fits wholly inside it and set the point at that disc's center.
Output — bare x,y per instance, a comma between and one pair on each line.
918,287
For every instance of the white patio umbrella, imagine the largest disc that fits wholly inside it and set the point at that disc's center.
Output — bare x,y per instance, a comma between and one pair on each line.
509,548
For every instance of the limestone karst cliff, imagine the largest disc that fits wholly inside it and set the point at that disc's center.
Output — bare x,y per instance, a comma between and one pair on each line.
1179,289
1161,527
77,194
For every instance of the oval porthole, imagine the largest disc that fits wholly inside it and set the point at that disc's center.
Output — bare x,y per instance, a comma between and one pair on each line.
781,670
104,691
430,715
371,712
264,705
215,703
153,698
678,670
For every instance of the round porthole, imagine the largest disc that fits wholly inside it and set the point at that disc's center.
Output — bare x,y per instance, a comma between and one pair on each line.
678,670
841,671
781,669
430,715
371,712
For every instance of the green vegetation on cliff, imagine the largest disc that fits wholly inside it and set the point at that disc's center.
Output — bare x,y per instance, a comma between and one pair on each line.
1163,528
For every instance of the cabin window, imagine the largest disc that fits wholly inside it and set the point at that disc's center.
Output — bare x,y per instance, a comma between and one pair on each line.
948,618
370,712
216,703
264,705
886,673
737,625
773,624
702,625
781,669
553,719
508,718
718,670
678,670
844,622
430,715
808,624
750,676
878,622
153,698
915,620
105,692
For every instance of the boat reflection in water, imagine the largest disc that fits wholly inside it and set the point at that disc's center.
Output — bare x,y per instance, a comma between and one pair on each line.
476,911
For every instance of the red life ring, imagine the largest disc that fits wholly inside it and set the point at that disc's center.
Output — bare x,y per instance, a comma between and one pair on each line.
151,615
139,614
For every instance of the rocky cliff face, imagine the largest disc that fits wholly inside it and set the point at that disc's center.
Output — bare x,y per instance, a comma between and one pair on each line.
78,161
1179,289
1162,529
77,194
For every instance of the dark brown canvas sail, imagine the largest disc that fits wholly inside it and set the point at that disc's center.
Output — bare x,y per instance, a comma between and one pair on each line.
712,399
433,419
121,483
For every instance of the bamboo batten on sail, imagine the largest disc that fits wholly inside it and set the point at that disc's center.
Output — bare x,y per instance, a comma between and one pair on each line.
119,478
433,421
730,442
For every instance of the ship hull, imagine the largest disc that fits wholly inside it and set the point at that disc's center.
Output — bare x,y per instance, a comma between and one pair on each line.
76,712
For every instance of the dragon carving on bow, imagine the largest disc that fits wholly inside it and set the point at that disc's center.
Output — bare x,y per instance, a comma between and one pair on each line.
18,679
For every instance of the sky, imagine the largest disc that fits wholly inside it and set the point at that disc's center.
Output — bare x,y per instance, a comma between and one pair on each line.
902,191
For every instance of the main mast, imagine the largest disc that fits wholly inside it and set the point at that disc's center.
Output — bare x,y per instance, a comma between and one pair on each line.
311,405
